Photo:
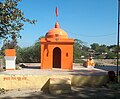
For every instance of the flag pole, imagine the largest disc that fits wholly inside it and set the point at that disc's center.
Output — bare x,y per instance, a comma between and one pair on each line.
117,80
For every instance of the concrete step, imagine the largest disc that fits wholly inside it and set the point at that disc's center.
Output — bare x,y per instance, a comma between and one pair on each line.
60,86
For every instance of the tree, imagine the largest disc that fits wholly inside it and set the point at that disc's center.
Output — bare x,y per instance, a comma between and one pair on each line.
78,50
95,46
103,49
111,55
29,54
11,21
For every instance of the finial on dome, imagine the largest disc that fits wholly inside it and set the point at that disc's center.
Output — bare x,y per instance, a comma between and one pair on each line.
57,25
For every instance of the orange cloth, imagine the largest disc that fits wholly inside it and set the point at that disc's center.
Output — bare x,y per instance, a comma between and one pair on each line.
90,62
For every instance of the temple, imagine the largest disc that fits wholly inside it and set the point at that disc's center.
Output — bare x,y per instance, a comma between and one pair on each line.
56,49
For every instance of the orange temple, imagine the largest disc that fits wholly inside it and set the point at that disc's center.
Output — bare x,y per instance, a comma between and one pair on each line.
56,49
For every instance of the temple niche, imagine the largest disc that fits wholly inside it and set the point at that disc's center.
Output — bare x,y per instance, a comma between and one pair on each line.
56,49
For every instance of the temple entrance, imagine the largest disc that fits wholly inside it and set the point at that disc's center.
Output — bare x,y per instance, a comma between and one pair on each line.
57,58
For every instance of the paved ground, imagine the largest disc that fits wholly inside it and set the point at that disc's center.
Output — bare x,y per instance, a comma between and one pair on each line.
77,70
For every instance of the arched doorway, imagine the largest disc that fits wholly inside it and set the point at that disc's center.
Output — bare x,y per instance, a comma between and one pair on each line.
56,58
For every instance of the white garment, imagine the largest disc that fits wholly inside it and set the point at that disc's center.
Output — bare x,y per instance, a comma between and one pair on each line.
90,67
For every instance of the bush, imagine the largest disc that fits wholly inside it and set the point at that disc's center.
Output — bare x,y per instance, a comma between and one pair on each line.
29,54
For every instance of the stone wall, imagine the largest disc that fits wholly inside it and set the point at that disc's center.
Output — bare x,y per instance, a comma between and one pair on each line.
39,81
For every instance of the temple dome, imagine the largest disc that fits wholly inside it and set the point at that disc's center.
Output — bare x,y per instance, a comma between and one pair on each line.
56,33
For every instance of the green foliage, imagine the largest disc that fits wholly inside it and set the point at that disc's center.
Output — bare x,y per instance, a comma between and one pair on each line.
99,57
111,55
113,47
103,49
97,51
9,44
78,52
95,46
32,53
99,48
11,21
29,54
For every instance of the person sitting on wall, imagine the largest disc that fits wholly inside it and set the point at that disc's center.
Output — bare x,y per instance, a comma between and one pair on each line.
90,63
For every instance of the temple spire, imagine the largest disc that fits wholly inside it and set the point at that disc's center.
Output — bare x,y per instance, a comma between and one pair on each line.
57,25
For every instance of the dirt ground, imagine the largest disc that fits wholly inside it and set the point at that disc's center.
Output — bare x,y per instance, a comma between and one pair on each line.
76,93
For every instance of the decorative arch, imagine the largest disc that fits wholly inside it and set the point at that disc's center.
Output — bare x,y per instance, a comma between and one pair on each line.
56,57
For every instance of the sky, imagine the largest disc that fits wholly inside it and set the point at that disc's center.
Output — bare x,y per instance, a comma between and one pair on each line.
92,21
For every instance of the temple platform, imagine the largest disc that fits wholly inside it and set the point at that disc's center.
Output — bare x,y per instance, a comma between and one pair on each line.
32,77
34,70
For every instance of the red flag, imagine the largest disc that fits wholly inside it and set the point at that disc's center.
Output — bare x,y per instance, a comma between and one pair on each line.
56,11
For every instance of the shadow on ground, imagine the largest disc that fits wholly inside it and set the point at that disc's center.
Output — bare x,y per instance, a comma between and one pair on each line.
108,68
76,93
31,67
